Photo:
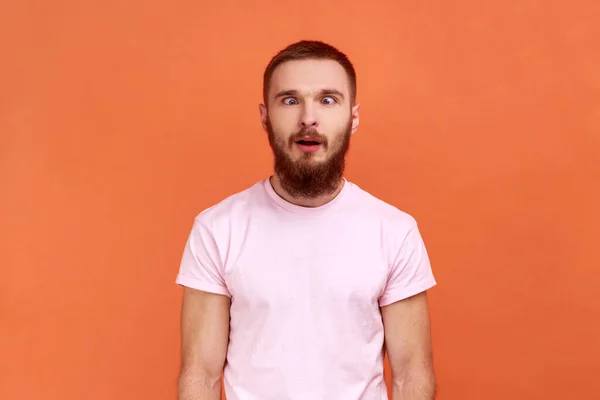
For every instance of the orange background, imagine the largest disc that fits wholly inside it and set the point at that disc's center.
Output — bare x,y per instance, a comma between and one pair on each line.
120,121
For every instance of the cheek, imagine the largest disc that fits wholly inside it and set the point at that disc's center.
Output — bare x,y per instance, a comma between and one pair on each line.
284,119
336,126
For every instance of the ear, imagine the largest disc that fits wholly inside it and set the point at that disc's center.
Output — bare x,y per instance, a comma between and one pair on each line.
355,118
263,115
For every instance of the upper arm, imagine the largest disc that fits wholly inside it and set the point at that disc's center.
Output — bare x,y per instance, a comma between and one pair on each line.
408,337
404,306
205,305
204,332
410,270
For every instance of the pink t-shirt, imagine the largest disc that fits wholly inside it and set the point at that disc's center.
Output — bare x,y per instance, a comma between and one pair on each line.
306,285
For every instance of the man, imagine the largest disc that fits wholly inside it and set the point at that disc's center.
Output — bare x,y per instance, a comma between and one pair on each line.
295,287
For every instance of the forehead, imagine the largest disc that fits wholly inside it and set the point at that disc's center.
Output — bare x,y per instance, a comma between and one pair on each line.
309,76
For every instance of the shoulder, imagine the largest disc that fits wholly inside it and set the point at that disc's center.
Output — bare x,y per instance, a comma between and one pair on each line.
393,220
232,209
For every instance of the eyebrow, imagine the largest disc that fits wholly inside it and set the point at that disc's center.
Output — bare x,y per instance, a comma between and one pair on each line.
322,92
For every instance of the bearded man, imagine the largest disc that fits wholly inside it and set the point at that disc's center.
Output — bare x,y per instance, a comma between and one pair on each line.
296,287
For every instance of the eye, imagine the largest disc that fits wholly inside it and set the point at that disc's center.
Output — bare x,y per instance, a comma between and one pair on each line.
289,101
328,100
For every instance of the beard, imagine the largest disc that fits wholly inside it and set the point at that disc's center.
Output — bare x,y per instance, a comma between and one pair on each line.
305,177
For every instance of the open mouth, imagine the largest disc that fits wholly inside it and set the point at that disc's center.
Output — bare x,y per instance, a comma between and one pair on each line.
308,142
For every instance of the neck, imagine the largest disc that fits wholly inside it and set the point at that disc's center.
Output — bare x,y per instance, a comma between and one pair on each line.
304,201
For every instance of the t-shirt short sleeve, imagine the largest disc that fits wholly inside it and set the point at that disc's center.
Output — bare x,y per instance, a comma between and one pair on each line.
201,267
410,272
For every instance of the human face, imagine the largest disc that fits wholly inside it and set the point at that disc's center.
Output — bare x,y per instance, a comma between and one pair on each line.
309,118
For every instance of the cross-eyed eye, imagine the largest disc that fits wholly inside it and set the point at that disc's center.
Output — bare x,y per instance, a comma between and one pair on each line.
289,101
328,100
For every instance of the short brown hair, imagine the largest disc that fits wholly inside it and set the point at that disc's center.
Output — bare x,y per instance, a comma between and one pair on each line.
309,49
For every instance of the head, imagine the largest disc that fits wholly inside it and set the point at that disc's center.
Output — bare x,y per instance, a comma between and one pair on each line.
309,113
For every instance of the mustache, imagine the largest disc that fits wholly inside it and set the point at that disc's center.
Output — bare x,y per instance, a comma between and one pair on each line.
308,132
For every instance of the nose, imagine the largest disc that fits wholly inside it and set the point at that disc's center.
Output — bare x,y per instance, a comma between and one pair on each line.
308,118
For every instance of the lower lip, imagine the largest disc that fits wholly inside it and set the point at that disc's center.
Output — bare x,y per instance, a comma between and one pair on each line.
308,148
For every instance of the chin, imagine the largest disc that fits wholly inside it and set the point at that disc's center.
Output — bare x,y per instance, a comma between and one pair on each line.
312,158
